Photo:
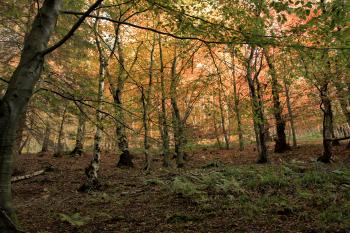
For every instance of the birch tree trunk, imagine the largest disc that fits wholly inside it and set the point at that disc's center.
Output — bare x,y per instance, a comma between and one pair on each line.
78,149
15,100
91,171
216,131
222,115
60,146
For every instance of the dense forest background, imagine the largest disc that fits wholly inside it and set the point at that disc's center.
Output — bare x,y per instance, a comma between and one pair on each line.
149,91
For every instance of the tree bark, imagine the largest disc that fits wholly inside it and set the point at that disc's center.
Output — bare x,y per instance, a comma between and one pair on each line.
79,141
91,171
146,101
125,159
290,113
327,124
19,144
222,115
236,102
15,100
46,141
177,122
280,141
216,131
163,115
23,144
60,146
257,108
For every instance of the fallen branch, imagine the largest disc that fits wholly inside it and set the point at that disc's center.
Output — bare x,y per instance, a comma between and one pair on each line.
338,139
28,176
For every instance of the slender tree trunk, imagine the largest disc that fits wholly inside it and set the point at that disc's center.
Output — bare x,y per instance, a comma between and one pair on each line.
163,115
281,141
263,130
125,159
15,100
19,134
46,141
60,146
23,144
222,115
79,141
257,108
216,131
146,101
146,145
327,124
177,122
236,104
290,113
92,170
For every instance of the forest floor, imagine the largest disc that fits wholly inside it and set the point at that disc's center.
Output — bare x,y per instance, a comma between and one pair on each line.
217,191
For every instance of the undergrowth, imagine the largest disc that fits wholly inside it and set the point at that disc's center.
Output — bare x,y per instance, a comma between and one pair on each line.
316,194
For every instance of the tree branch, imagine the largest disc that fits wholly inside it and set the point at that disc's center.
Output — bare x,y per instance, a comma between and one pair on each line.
73,29
295,46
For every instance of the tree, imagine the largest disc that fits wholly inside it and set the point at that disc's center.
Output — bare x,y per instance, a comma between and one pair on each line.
60,146
163,114
79,140
18,93
125,159
146,102
253,69
280,142
236,101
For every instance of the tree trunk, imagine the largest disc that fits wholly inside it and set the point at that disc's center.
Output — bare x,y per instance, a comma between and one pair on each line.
216,131
46,141
222,115
78,149
177,122
125,159
327,124
163,115
15,100
290,113
60,146
236,104
19,144
280,141
257,108
146,145
262,129
146,101
23,144
91,171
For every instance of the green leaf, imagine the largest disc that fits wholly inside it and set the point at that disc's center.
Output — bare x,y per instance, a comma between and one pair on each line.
74,219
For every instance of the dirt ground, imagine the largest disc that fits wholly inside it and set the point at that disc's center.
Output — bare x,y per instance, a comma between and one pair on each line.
127,203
